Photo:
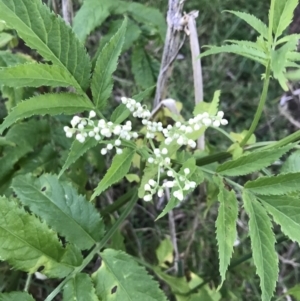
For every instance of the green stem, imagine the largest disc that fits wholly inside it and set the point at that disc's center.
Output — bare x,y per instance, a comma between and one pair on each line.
271,21
261,105
96,249
27,284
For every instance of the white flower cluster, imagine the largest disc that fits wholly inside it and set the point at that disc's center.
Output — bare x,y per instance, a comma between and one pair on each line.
136,108
178,181
180,131
84,127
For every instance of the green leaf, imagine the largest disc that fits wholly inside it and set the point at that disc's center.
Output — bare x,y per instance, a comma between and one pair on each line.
286,16
263,245
255,45
119,168
141,67
8,58
226,226
164,252
286,212
92,14
121,113
49,35
52,104
28,244
195,175
5,38
16,296
292,163
275,185
147,15
253,21
278,9
77,150
79,288
120,278
252,162
36,75
106,64
245,51
59,204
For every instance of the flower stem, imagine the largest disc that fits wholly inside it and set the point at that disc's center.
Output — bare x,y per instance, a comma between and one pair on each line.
261,105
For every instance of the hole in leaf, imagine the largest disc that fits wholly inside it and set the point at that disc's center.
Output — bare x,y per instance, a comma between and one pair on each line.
114,289
41,268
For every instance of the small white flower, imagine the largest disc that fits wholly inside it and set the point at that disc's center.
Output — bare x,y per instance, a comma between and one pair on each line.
164,151
92,114
80,126
69,134
180,141
118,142
186,171
178,194
119,151
169,127
187,186
135,135
178,124
206,121
220,114
109,146
196,127
97,137
124,99
152,182
96,130
167,160
188,129
91,134
83,122
192,143
66,129
117,130
170,173
150,160
169,184
148,198
75,120
216,123
147,187
103,151
224,121
168,141
181,178
193,184
160,192
156,152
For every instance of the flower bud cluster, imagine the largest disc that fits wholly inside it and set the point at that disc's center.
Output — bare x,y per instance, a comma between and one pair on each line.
137,110
100,130
180,182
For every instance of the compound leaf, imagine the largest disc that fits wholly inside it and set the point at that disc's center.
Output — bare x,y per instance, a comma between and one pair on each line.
263,245
120,278
59,204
